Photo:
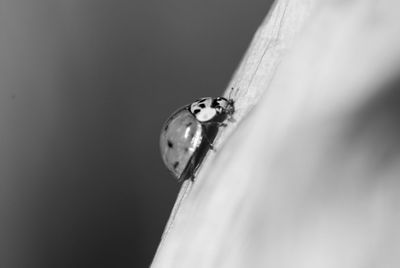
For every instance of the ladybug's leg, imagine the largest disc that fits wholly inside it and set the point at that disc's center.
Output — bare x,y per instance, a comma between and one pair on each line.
184,178
210,144
198,156
210,132
231,119
189,172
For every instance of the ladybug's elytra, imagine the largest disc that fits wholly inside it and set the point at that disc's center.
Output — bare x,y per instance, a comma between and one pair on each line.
189,134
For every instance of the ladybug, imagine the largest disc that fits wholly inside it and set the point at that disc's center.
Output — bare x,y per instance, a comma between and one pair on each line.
189,133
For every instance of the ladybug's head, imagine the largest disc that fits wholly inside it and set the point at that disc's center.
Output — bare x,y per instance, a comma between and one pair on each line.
223,105
212,109
224,108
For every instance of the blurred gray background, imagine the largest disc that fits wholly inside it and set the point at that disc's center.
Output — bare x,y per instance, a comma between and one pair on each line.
85,89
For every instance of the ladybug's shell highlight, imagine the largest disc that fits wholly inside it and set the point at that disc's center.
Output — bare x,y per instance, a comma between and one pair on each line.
180,137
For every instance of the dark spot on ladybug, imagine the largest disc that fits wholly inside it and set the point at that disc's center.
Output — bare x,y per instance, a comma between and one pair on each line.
170,144
202,105
176,164
186,149
196,111
189,124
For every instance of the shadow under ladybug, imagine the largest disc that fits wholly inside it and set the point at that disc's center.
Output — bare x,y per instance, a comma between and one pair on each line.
189,133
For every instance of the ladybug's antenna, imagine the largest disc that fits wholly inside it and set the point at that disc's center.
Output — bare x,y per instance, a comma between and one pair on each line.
230,93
